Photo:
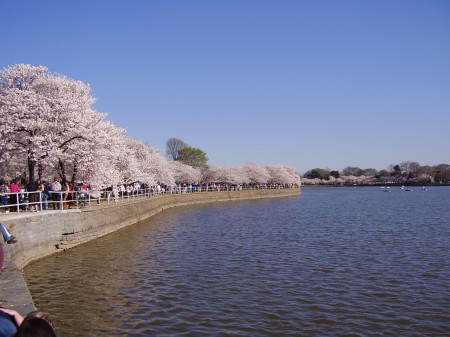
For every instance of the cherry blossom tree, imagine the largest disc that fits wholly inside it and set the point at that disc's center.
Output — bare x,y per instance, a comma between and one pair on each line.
22,110
183,173
144,164
230,175
284,175
256,174
44,116
83,138
236,175
214,174
95,158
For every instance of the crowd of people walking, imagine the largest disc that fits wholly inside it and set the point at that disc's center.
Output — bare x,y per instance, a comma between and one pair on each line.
40,195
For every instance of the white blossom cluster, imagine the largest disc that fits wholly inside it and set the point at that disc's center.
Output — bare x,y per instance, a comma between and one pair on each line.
252,174
49,130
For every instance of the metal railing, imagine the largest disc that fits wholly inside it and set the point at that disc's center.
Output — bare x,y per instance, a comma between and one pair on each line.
65,200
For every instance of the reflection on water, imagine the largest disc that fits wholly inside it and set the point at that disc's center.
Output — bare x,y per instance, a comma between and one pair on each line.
331,262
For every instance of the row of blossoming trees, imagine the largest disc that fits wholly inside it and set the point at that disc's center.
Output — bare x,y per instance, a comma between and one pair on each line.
49,130
406,172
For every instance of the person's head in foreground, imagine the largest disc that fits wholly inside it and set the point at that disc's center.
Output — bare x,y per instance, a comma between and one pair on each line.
35,327
41,314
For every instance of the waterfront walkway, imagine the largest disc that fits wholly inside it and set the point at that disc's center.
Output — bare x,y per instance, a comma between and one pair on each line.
80,199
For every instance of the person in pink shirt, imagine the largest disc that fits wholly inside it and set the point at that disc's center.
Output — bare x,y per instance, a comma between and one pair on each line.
14,200
82,194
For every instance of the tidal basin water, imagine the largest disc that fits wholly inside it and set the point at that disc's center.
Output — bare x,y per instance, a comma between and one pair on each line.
331,262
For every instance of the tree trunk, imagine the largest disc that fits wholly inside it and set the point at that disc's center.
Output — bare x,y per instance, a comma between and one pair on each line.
62,173
31,168
40,169
74,175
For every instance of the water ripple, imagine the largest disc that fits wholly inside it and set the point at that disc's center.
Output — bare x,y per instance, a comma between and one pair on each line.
332,262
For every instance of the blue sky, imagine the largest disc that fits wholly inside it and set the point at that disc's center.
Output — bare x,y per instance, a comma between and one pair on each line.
308,84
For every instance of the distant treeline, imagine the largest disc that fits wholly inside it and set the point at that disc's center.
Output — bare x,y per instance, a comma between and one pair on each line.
406,172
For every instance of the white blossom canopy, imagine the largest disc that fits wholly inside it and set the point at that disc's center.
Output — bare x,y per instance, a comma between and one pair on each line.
50,130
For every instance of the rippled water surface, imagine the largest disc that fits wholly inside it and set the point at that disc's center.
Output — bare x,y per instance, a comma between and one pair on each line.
331,262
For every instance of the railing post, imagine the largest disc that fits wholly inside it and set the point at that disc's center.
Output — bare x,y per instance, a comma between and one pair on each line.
40,201
17,202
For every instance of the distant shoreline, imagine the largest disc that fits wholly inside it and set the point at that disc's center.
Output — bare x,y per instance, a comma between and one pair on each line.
372,185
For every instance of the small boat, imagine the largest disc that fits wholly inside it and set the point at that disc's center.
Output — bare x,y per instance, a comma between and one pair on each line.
407,189
402,188
423,188
386,189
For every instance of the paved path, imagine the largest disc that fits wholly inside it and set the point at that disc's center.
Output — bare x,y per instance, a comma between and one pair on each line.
14,293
